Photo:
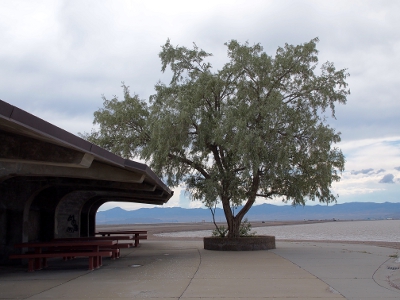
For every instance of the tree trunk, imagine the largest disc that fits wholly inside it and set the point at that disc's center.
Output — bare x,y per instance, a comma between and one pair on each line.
231,220
234,227
235,221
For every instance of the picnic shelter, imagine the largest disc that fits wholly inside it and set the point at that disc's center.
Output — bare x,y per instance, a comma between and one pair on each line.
52,182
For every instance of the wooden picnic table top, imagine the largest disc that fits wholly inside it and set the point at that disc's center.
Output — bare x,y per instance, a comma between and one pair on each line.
99,238
123,232
64,244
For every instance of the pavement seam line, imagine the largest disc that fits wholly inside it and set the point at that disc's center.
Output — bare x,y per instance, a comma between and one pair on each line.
69,280
194,275
373,275
311,274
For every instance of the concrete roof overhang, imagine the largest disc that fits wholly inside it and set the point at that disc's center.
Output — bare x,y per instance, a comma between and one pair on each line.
34,149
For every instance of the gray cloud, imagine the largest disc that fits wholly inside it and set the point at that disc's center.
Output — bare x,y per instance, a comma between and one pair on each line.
397,168
79,51
363,171
388,178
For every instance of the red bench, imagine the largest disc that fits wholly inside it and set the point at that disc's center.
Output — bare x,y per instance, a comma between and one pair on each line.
65,249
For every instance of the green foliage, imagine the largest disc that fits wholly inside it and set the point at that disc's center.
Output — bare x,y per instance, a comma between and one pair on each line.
245,228
255,128
124,128
220,231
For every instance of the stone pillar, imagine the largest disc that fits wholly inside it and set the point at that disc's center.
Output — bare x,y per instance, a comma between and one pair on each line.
92,216
16,194
68,214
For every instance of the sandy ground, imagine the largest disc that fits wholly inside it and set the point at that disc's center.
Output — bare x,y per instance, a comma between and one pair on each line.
153,229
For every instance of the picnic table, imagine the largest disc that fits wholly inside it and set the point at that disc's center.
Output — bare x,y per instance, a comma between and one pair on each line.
65,249
120,239
139,234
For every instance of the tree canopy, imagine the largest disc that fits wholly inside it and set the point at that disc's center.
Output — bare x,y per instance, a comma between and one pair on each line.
255,128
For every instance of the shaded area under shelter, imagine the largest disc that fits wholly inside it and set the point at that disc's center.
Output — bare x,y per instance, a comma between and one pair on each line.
53,182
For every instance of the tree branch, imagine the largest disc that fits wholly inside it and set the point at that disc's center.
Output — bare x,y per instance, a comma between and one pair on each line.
213,148
252,195
268,195
238,169
194,165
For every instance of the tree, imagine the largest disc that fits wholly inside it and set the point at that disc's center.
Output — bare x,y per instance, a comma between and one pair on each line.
255,128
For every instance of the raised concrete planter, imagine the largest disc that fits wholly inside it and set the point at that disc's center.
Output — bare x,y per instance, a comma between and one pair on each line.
248,243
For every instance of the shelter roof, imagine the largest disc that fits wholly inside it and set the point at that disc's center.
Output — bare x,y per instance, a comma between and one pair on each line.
33,147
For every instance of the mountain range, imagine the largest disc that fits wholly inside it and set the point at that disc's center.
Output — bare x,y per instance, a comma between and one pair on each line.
263,212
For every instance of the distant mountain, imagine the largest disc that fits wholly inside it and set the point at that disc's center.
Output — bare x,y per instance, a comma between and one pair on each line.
263,212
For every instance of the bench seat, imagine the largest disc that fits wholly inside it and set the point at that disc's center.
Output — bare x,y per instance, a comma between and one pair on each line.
113,248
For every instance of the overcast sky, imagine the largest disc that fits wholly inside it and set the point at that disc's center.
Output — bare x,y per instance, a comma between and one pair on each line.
57,58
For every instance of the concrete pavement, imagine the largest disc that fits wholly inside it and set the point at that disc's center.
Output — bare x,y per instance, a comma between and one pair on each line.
184,270
356,271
